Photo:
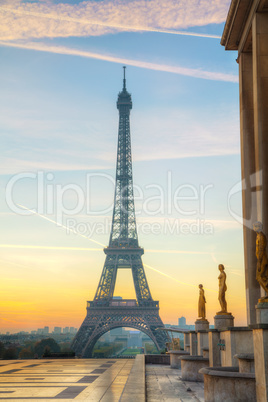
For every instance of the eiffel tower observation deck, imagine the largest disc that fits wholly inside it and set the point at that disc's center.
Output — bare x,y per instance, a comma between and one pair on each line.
105,313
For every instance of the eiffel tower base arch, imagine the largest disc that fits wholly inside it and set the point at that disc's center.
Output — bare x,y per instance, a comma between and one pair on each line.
100,320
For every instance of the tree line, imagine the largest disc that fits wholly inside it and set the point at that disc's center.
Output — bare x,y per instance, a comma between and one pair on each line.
33,350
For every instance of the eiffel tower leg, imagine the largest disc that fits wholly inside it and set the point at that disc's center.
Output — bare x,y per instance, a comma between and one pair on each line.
101,320
106,285
139,278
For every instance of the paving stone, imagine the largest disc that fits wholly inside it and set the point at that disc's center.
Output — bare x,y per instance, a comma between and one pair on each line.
64,380
165,384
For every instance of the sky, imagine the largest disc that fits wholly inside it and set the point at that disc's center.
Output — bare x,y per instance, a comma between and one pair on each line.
60,73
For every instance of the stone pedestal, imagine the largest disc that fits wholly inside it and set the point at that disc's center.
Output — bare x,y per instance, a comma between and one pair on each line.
262,313
175,361
227,384
245,362
190,366
223,321
201,325
234,341
260,339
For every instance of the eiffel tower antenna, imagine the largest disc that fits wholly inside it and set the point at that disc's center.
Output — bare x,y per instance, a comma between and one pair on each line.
124,80
123,251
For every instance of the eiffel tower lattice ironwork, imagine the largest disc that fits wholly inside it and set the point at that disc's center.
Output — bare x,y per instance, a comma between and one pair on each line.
105,313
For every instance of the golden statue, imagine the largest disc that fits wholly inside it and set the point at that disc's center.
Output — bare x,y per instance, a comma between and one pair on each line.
202,303
222,290
262,261
175,344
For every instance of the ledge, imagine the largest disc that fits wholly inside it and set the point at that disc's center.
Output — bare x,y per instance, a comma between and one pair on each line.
244,356
194,358
158,359
227,372
237,329
258,326
135,386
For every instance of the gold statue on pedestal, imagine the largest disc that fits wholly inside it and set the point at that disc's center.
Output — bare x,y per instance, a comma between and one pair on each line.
175,344
222,291
262,261
201,303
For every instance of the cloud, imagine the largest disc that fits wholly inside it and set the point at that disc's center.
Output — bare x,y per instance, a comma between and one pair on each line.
185,137
15,165
39,20
190,72
220,224
34,247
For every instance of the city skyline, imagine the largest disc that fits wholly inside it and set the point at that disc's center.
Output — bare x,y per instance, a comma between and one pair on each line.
64,133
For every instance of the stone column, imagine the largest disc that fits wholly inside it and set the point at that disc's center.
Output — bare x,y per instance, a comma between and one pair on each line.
260,339
260,96
248,182
193,343
202,342
187,341
214,348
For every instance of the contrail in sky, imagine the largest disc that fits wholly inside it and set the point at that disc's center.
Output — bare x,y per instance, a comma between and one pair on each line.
190,72
108,25
72,230
62,226
178,252
171,277
26,246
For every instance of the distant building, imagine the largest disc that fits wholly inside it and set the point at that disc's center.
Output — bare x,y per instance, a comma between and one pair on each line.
66,330
33,332
73,330
117,331
134,339
46,330
57,330
182,322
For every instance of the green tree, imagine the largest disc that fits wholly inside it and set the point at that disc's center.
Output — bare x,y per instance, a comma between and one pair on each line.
65,347
46,345
2,349
26,353
10,353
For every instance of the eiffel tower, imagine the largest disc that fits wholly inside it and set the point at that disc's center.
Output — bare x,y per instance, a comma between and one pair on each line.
105,313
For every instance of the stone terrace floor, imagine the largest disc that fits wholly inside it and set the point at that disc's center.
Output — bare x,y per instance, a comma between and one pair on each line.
64,379
90,380
165,384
